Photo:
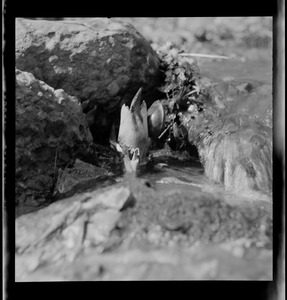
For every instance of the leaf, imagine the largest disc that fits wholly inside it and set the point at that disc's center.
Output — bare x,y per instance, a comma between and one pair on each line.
182,76
173,52
178,71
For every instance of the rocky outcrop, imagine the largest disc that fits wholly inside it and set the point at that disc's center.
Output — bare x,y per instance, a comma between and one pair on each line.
51,129
100,61
241,161
234,138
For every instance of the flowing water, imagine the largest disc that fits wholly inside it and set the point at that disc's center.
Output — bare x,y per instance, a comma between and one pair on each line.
190,175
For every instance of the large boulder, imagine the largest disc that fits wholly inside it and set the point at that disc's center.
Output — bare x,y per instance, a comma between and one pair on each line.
51,130
100,61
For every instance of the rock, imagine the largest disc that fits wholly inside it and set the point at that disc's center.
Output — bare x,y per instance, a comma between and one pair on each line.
78,173
100,61
50,126
241,161
113,198
35,229
61,231
234,137
100,226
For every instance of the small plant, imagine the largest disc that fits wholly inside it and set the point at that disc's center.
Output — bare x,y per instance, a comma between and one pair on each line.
184,92
182,74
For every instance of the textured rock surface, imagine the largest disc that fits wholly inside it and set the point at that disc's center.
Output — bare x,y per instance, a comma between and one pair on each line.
50,127
242,161
234,139
132,231
101,62
58,231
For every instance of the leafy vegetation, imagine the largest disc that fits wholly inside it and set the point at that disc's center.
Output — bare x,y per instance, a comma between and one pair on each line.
181,76
185,93
200,110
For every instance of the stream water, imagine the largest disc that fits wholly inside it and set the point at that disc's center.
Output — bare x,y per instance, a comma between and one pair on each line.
188,176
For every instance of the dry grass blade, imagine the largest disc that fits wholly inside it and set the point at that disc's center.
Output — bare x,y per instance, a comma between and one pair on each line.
204,55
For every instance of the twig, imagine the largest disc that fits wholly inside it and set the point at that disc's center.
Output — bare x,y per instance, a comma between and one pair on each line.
55,161
204,55
167,128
